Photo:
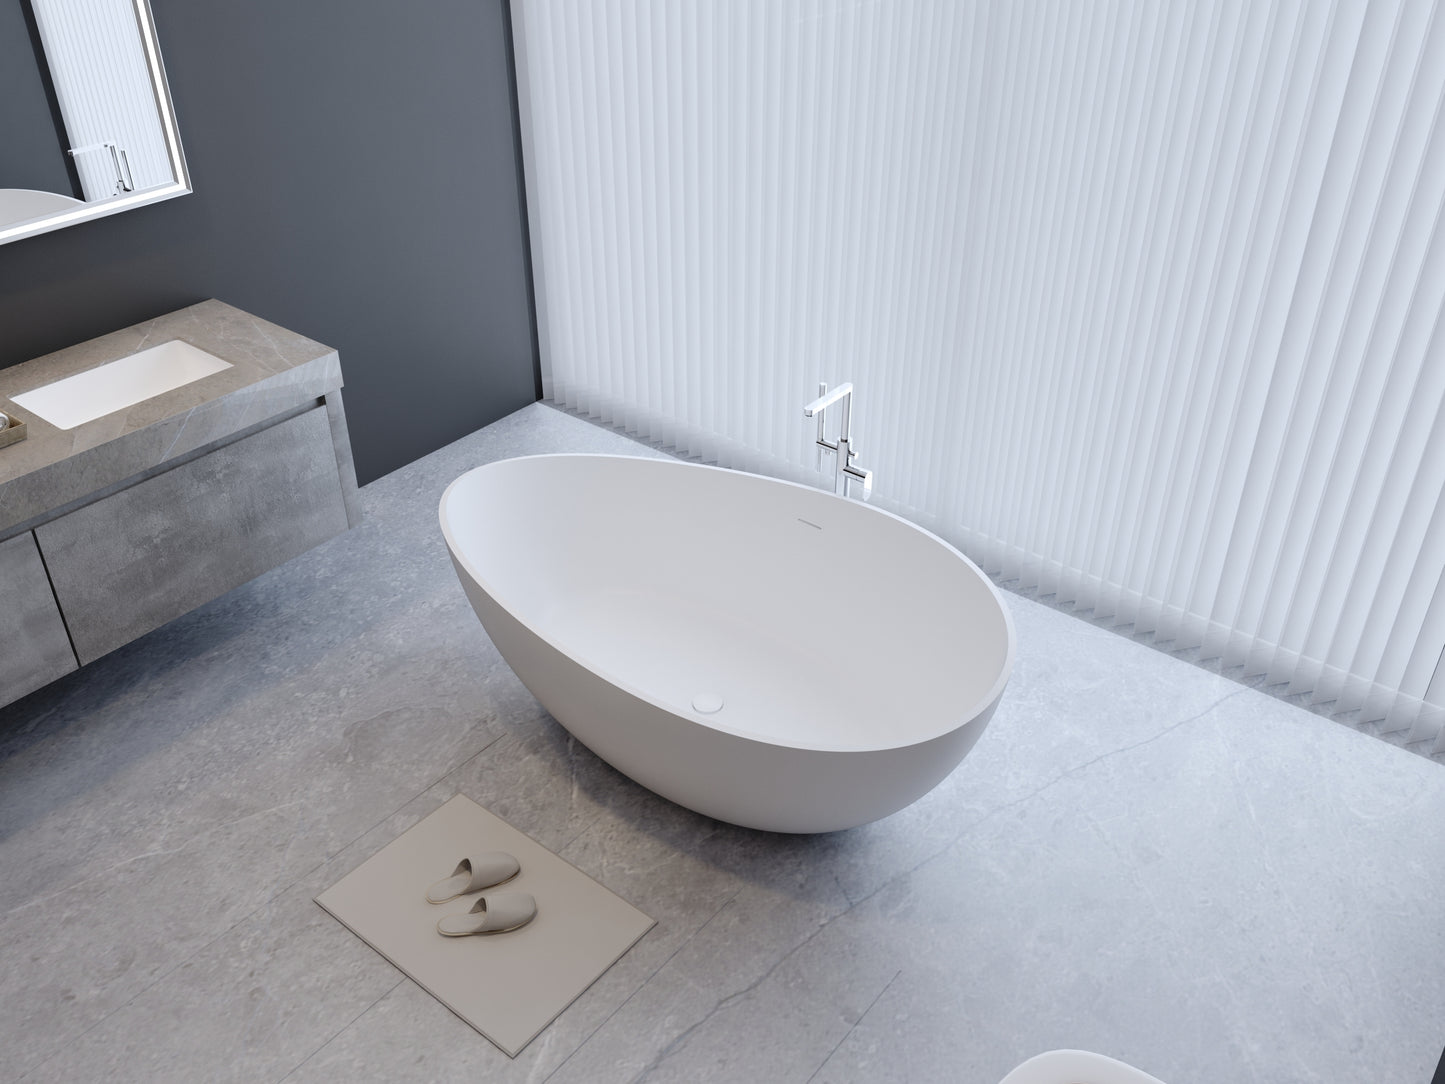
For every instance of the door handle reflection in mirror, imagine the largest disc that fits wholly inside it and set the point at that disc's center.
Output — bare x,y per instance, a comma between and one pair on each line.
124,181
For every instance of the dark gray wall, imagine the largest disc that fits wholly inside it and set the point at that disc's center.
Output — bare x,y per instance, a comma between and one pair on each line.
31,154
355,174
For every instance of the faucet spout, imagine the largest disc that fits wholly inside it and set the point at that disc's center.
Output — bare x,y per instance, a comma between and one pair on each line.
823,402
842,393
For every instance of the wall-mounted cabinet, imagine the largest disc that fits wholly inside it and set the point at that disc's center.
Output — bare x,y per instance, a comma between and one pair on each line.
128,563
37,651
115,526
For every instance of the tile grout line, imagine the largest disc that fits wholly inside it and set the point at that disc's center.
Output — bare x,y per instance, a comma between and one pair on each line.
738,995
382,820
66,890
344,1027
171,970
638,989
1065,774
852,1027
792,952
402,977
918,865
578,835
371,828
267,902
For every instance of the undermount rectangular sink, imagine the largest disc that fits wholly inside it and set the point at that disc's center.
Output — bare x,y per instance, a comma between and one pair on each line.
118,384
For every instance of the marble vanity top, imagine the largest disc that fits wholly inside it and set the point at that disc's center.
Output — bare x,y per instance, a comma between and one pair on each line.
272,371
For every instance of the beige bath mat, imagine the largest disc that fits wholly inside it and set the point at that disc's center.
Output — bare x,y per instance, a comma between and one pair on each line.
508,986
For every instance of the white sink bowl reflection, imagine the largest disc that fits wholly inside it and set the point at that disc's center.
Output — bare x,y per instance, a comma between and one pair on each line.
116,385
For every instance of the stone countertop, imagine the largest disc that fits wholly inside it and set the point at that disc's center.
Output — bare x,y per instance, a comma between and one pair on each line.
272,371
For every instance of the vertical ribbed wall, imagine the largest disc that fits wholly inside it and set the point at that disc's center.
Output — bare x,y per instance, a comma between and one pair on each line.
102,79
1141,300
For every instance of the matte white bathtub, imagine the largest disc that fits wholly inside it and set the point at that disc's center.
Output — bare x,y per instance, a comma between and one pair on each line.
856,657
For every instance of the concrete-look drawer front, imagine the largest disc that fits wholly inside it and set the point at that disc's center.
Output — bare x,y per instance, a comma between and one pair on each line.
134,560
35,648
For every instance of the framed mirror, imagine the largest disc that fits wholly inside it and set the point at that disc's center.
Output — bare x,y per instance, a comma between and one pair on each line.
86,123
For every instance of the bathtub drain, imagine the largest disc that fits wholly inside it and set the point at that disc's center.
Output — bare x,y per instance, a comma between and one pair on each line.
707,702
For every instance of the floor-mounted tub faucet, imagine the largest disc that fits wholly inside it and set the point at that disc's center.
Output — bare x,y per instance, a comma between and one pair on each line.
843,468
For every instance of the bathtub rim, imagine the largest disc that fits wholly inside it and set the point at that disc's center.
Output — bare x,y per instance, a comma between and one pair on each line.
981,708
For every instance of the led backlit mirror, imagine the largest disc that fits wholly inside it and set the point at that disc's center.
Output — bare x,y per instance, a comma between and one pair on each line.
86,124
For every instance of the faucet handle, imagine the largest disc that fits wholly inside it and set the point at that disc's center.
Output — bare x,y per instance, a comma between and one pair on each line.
858,475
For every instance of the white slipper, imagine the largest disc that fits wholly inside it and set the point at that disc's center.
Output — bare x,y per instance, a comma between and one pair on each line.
474,874
492,914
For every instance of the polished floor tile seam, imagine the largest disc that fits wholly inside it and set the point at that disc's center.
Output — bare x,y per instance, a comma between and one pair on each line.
180,964
440,781
953,841
300,879
573,745
1070,772
853,1027
300,1065
267,904
679,1042
725,1001
1237,674
641,987
164,976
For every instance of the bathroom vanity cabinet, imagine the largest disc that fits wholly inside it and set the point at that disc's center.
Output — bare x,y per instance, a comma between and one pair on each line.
37,650
115,526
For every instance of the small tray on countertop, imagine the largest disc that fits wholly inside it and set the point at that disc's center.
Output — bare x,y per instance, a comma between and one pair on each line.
12,432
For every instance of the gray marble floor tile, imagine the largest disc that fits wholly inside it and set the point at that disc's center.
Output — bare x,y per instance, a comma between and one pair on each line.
407,1035
1155,907
173,785
113,890
249,1005
90,946
388,1036
1139,857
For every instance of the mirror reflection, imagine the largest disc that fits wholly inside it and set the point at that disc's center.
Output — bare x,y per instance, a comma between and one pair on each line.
86,126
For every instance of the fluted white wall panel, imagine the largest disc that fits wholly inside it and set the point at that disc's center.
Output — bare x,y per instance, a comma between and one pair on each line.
1141,300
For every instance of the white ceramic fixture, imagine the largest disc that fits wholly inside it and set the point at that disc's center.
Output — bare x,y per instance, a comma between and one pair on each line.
119,384
759,651
23,204
1076,1067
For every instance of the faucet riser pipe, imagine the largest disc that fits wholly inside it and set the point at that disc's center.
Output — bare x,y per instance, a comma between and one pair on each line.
843,467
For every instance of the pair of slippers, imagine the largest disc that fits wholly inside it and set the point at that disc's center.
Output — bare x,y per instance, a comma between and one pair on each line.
498,912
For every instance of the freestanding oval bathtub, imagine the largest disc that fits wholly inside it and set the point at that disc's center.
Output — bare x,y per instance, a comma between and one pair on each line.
759,651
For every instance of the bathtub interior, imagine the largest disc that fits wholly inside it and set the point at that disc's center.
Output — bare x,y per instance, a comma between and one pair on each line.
819,623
